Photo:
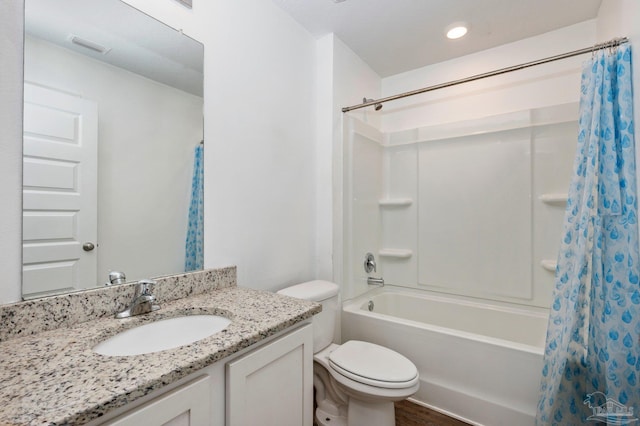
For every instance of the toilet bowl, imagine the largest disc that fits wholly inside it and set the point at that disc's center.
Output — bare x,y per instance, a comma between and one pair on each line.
355,383
372,377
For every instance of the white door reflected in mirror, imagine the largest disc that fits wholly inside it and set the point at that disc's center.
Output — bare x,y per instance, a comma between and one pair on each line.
60,162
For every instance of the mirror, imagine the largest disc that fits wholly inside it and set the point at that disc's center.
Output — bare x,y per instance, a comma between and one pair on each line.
112,131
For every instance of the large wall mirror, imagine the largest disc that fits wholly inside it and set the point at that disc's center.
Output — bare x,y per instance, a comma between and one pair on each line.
113,127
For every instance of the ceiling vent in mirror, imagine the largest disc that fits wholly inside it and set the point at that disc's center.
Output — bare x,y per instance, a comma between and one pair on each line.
87,44
187,3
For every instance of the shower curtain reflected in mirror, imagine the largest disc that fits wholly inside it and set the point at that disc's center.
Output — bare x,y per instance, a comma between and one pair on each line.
194,250
592,356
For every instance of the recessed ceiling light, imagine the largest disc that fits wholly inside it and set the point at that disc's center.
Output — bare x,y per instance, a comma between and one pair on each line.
456,30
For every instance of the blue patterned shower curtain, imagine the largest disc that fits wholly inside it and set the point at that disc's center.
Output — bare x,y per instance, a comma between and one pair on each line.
592,357
194,252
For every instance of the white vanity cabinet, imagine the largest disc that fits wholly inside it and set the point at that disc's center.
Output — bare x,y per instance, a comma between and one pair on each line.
273,385
267,384
187,405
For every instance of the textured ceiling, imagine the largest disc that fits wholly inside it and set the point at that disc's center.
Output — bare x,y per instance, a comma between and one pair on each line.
394,36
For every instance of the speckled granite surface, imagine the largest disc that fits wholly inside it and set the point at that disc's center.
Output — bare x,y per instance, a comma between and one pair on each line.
54,378
49,313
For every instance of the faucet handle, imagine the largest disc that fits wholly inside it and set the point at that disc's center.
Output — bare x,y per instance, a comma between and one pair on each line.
142,288
369,263
116,277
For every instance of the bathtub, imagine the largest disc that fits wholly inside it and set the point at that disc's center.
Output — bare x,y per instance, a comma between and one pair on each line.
479,362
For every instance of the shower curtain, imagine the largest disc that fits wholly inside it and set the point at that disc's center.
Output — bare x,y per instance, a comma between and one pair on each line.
592,357
194,251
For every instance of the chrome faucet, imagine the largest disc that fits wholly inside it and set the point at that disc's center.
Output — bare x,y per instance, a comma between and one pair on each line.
370,266
116,277
375,281
142,301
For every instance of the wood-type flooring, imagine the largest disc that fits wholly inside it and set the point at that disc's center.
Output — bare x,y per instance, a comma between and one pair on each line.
410,414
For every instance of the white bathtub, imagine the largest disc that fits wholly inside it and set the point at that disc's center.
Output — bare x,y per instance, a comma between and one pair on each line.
478,361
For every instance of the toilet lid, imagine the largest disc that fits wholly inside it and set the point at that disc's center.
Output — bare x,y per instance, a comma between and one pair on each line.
315,291
374,365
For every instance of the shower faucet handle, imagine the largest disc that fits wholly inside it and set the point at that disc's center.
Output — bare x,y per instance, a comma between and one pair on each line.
369,263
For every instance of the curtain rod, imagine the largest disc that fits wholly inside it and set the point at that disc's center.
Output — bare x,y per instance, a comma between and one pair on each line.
609,44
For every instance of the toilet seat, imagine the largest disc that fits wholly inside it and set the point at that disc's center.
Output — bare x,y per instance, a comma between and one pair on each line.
378,394
373,365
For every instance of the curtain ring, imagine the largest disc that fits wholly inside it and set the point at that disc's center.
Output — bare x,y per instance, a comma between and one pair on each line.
617,44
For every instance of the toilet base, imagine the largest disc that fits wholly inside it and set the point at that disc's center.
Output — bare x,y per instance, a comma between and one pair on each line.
360,414
323,418
363,413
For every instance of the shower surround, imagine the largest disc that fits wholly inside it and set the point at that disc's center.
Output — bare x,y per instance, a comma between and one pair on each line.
464,219
471,208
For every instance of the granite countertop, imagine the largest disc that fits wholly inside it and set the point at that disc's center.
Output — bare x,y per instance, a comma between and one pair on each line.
54,377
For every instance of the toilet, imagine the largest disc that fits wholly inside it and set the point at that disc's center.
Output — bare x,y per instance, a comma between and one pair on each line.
355,383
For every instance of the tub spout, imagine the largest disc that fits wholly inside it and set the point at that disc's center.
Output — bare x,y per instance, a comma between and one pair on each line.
375,281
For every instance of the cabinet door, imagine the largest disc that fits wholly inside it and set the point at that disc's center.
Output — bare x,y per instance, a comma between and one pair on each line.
273,385
188,405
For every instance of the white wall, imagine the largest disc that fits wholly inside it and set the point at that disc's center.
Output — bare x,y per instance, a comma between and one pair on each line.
535,87
11,28
343,80
325,186
147,133
260,122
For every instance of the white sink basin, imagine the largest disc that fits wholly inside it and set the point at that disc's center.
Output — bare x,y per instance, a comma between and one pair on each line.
161,335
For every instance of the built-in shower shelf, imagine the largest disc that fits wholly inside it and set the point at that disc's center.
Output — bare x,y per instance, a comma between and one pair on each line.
396,253
549,265
395,202
554,199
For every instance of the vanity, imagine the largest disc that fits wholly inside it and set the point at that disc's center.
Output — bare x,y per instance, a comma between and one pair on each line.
257,370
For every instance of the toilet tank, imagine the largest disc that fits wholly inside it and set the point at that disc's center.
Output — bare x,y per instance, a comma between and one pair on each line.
324,323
